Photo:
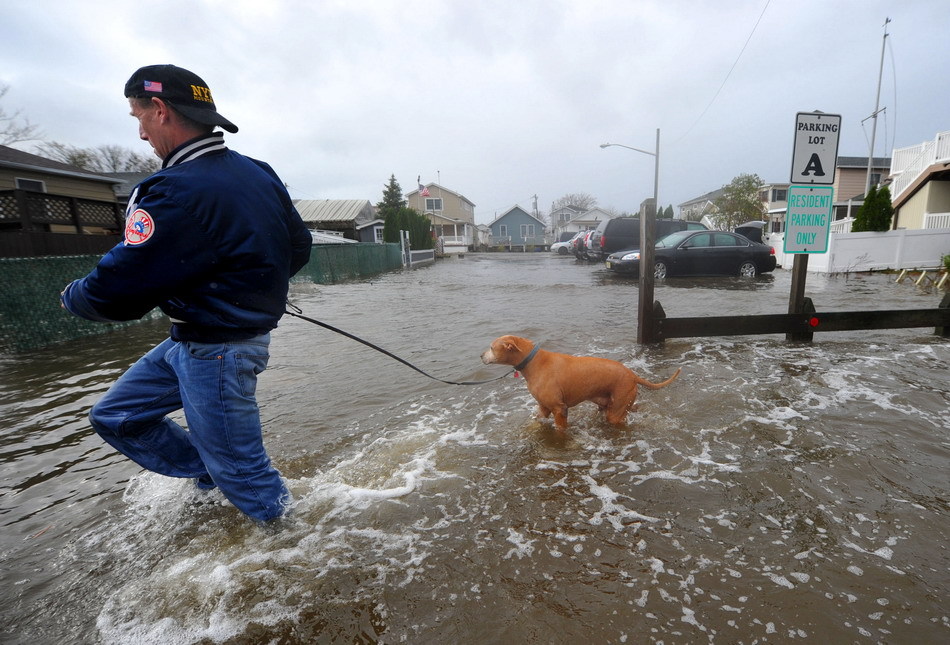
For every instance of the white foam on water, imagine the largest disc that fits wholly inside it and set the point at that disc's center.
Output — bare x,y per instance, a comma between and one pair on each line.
523,546
206,585
614,512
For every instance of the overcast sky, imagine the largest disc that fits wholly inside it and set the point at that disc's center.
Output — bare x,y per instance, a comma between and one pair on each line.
499,101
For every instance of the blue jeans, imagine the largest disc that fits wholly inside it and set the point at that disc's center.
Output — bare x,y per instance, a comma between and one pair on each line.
214,383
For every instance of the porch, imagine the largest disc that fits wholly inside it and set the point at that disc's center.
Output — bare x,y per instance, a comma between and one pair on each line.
453,238
511,243
34,224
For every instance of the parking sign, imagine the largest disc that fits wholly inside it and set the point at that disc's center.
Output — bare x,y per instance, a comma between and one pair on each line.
808,219
815,153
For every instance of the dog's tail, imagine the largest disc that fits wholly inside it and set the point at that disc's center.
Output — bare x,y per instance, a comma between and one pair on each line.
657,386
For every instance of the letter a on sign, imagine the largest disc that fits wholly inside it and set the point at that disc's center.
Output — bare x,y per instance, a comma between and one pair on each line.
816,148
814,167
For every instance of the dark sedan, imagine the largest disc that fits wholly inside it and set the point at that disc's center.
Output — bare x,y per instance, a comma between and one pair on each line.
700,253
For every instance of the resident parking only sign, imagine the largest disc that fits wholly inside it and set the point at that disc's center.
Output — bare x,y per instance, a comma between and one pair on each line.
808,219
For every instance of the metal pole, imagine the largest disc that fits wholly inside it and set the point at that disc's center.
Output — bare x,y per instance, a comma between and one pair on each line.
877,103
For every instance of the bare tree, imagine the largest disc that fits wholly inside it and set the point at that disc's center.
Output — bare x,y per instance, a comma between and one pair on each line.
14,128
583,201
105,158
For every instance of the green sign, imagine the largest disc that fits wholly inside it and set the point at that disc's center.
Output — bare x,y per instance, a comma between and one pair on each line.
808,219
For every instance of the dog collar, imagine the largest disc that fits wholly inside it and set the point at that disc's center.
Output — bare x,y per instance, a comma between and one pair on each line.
527,359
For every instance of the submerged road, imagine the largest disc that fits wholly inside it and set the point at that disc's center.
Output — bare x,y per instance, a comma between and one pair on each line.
775,492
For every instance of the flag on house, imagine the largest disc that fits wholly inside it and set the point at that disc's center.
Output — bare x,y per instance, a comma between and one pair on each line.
422,189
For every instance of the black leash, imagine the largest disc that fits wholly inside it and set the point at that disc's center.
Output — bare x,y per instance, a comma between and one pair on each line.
298,313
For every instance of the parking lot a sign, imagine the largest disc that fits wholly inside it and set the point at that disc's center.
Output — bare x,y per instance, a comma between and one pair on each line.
808,219
815,153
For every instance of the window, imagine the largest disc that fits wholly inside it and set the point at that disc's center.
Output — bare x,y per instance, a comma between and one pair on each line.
527,230
700,241
433,203
725,239
378,230
502,230
31,184
779,195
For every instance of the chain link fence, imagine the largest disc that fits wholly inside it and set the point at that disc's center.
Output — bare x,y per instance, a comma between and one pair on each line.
31,316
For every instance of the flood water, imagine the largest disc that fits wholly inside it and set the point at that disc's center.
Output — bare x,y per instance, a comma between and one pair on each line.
774,493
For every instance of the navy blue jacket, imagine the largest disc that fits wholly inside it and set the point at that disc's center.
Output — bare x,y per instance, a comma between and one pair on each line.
212,239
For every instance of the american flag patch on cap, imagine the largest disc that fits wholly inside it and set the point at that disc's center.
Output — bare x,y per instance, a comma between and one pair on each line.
153,86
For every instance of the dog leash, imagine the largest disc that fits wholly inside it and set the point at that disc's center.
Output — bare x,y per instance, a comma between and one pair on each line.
297,312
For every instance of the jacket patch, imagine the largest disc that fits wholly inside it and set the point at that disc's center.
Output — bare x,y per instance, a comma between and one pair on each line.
139,227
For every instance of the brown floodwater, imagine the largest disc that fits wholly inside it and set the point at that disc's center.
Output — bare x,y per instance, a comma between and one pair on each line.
775,492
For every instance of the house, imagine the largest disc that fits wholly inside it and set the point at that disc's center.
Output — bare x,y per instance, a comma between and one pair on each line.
517,227
920,187
695,209
53,208
774,198
851,175
354,219
562,219
452,215
571,219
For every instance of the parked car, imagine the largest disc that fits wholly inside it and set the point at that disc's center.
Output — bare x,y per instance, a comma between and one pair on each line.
564,245
752,230
620,233
700,253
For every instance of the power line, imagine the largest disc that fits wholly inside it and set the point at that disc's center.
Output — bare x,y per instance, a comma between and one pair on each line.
731,69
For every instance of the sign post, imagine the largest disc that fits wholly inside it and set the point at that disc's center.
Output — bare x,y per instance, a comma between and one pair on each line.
810,203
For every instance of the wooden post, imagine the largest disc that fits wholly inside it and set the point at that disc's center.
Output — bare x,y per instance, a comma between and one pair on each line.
796,299
944,330
646,324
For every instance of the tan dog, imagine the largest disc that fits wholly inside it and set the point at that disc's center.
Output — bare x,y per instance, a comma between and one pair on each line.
559,381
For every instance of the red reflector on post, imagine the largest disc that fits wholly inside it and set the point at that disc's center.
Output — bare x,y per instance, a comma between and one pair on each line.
814,322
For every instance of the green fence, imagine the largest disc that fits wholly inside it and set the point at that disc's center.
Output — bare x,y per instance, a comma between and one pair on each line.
30,314
331,263
31,317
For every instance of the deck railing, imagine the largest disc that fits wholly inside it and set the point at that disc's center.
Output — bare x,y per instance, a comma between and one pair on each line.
937,220
842,225
907,164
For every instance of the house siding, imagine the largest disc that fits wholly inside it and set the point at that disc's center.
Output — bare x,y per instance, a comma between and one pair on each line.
454,206
939,200
933,197
510,226
57,185
850,182
912,212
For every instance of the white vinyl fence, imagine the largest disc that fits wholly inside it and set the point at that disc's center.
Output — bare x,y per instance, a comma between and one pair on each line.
847,252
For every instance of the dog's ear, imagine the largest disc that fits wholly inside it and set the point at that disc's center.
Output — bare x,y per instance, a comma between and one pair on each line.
509,346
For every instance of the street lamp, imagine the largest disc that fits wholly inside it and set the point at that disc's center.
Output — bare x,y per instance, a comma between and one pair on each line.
645,319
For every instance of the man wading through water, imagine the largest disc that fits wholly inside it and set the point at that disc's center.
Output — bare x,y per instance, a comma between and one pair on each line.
212,239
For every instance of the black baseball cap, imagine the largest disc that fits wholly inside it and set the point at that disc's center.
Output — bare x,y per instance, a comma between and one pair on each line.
183,90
